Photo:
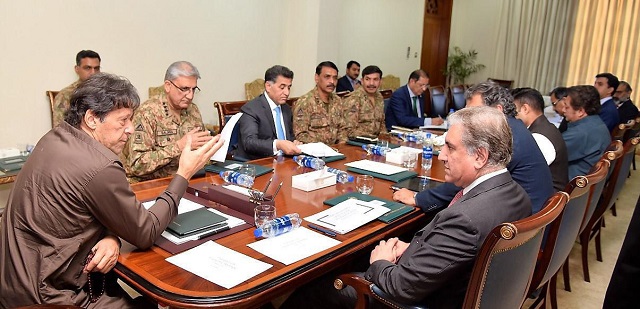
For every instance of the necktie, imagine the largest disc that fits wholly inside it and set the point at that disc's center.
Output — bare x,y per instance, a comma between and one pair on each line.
456,198
279,128
415,105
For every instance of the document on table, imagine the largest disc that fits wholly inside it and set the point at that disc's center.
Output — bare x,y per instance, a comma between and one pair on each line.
348,215
294,246
219,264
186,206
221,154
318,150
380,168
442,126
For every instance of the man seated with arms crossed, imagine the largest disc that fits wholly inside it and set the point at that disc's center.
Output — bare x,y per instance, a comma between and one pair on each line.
587,136
72,201
162,125
349,82
530,106
365,106
318,115
87,64
527,166
266,126
406,103
434,268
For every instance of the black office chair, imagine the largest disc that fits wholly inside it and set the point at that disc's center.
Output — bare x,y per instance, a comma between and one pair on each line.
457,96
502,271
438,101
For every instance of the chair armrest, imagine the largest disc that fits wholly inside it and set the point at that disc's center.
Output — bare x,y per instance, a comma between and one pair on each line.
361,285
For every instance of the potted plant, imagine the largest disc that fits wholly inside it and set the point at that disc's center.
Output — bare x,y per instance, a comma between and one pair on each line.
461,65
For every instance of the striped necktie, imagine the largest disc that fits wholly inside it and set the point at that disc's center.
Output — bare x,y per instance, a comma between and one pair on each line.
456,198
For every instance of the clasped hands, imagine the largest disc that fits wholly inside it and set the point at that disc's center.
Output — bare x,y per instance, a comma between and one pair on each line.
389,250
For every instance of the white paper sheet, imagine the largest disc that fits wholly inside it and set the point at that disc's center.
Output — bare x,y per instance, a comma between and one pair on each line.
239,189
381,168
348,215
221,154
442,126
318,150
184,206
219,264
294,246
407,149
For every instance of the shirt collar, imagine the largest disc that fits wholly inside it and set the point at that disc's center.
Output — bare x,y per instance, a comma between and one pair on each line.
272,104
481,179
411,94
603,100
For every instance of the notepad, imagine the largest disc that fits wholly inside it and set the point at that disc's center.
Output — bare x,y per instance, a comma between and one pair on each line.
194,221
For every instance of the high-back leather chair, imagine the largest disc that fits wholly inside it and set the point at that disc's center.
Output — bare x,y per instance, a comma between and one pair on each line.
562,233
631,133
609,196
254,89
507,83
503,268
226,110
438,101
390,82
156,92
621,129
51,94
457,97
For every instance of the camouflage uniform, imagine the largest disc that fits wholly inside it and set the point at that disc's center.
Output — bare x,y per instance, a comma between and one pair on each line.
317,121
152,151
62,101
364,117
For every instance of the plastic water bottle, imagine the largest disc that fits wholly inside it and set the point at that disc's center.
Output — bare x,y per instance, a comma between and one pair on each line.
375,150
278,226
307,161
427,152
237,178
446,120
409,136
342,176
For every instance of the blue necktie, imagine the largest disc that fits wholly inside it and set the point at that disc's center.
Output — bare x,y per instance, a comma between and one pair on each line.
279,128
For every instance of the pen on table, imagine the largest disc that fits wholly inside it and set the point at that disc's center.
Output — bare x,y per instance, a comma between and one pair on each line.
222,228
324,231
273,197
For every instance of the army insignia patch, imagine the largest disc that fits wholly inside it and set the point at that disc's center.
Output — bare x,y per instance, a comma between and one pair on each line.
137,138
139,127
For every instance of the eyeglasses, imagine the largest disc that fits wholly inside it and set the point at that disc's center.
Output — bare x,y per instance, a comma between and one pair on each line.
186,90
556,101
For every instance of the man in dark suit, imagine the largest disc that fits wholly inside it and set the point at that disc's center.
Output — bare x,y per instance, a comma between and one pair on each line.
530,105
527,166
407,102
349,82
266,126
434,268
626,109
606,84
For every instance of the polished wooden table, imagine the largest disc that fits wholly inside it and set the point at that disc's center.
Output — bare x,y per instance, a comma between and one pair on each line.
149,273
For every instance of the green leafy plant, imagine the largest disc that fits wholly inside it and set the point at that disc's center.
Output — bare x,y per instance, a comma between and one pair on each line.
461,65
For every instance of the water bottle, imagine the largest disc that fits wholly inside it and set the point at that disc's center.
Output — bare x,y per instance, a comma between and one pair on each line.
427,152
237,178
446,119
342,176
375,149
278,226
409,136
307,161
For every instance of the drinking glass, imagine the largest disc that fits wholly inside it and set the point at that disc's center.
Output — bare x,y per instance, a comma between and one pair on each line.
383,143
364,184
248,170
410,159
263,214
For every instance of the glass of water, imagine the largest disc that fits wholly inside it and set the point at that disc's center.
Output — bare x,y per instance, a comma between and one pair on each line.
364,184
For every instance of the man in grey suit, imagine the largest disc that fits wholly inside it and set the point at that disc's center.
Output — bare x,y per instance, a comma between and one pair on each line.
266,126
434,268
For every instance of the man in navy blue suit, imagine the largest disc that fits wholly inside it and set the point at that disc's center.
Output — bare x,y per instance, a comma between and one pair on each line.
349,82
527,166
607,83
407,102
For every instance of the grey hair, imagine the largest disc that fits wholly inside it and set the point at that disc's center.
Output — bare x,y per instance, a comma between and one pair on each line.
493,94
485,127
181,68
101,93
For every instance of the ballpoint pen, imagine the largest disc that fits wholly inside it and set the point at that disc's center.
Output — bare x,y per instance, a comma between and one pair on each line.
324,231
267,186
273,197
222,228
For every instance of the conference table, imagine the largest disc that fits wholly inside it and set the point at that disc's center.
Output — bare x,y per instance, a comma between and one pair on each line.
149,273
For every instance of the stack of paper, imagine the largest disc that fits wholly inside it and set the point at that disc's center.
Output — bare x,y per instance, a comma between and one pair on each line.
318,150
348,215
294,246
377,167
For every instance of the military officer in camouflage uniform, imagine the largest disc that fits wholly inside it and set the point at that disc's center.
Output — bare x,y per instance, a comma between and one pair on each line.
161,126
365,106
318,115
87,64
